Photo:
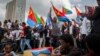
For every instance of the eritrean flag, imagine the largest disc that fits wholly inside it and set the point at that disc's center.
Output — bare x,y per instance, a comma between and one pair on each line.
66,11
45,50
37,51
31,20
77,11
61,16
78,18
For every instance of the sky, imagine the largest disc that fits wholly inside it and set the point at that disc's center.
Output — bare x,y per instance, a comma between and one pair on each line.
41,7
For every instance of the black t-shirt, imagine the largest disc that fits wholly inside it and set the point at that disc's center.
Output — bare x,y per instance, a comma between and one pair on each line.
27,32
95,19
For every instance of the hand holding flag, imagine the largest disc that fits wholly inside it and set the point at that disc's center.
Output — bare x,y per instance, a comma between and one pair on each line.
61,16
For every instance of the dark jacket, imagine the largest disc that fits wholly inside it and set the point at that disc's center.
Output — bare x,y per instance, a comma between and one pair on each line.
71,52
95,21
28,33
75,52
91,54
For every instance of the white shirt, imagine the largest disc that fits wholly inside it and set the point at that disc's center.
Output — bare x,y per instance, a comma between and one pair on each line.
9,25
85,27
36,34
16,33
55,29
71,29
10,36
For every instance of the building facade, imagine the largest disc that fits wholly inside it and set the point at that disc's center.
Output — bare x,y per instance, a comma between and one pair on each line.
10,8
15,10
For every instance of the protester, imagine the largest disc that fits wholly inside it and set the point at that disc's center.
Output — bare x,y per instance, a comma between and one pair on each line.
1,31
9,23
5,24
93,41
94,17
8,50
67,47
84,31
28,36
25,37
41,31
35,38
8,35
73,37
16,24
62,29
45,30
55,32
85,27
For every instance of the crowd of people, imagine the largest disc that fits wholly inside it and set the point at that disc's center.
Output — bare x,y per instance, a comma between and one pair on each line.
78,39
21,35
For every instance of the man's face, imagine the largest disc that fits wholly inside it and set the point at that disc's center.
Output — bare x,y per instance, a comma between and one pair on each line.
7,49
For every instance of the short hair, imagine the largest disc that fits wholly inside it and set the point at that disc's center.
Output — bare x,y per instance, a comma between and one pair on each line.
67,38
9,20
23,23
10,44
93,42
